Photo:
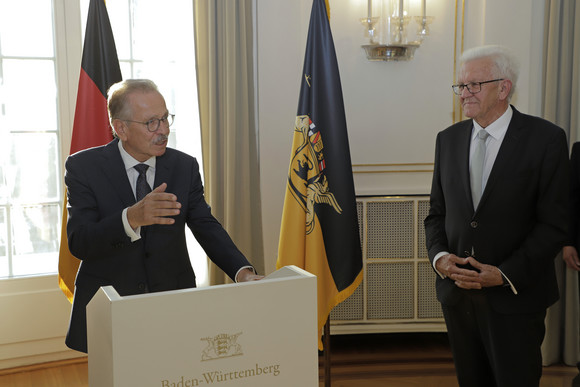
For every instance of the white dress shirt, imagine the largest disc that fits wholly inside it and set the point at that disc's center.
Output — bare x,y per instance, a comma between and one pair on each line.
132,174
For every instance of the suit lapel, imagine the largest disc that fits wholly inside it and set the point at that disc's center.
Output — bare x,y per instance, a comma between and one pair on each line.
162,175
162,170
507,153
463,153
114,170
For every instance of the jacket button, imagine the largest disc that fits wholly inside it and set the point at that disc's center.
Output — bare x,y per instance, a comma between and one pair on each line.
473,224
142,287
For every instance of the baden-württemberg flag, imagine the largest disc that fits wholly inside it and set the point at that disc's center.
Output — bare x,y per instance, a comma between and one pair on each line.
99,70
319,230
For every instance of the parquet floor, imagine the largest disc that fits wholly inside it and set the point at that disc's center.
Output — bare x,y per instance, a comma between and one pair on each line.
70,373
371,360
405,360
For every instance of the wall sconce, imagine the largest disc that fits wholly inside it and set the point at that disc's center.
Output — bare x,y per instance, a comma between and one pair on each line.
388,33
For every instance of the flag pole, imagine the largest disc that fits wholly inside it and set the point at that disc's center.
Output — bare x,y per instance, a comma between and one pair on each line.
327,353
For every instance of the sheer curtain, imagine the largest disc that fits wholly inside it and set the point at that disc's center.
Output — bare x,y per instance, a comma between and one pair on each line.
561,105
225,78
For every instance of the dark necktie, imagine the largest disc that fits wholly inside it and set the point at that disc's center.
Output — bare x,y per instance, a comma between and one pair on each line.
142,188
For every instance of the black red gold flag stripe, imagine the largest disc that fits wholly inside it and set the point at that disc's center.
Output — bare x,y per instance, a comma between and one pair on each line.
320,231
99,70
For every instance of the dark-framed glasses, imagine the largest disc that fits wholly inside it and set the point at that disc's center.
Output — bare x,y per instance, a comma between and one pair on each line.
472,87
153,124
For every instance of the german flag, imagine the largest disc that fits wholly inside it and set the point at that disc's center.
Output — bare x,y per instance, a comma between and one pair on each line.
99,70
319,230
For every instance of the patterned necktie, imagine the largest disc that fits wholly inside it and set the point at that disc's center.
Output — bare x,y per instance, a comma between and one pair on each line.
476,170
142,188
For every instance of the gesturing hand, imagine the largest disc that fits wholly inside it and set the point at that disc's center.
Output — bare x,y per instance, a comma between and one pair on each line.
155,208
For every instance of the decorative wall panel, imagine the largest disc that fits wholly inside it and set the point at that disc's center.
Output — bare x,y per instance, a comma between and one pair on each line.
398,290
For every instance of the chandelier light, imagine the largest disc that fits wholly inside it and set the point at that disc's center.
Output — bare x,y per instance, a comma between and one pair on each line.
388,32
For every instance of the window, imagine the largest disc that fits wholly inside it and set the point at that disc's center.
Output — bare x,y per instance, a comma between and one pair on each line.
154,40
30,185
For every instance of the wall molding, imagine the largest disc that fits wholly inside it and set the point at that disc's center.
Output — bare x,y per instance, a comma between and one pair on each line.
393,168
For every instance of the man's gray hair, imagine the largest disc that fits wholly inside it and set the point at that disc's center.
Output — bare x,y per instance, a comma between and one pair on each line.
117,103
506,64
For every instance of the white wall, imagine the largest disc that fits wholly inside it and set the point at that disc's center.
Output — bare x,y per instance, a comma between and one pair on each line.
394,109
34,321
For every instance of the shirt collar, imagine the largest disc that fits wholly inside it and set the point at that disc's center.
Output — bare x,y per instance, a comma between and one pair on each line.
498,128
130,161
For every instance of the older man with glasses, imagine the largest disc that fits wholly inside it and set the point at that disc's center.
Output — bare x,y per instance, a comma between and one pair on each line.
498,216
128,204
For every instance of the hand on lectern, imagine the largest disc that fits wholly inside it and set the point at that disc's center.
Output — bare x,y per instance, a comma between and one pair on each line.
248,275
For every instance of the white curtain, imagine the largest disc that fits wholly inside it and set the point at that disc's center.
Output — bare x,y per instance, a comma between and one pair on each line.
225,78
561,105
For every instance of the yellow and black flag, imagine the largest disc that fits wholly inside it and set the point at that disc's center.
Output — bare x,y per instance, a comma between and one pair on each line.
99,70
319,230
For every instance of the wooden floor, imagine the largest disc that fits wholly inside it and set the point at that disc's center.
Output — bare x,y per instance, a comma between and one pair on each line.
410,359
393,360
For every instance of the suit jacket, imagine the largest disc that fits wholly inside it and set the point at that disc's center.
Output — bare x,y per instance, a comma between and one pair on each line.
574,230
521,221
98,191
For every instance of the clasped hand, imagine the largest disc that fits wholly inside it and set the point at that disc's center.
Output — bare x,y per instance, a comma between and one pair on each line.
481,276
156,208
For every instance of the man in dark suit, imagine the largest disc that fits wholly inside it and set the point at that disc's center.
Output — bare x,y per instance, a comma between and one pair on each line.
125,234
570,251
497,220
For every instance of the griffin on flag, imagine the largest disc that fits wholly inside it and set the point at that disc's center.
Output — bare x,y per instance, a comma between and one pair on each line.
319,230
99,70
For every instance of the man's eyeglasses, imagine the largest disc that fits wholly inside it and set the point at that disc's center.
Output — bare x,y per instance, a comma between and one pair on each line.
472,87
153,124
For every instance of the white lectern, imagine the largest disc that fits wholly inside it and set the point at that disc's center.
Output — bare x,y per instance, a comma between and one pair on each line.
261,333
